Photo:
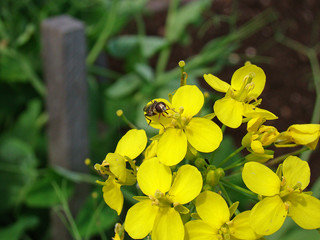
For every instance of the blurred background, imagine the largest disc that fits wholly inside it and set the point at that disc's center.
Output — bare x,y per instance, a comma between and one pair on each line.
132,50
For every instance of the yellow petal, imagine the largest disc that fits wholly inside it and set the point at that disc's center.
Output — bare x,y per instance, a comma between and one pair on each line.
229,111
203,134
140,219
305,134
304,210
260,179
112,194
216,83
168,225
257,147
151,150
268,215
172,146
190,98
153,176
186,186
199,230
240,227
132,143
296,172
254,124
215,214
117,165
259,79
251,111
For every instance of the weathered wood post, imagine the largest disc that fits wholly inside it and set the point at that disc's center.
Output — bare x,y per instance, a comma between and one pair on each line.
64,54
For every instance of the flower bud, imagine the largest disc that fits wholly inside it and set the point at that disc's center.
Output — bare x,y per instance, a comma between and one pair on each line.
212,178
182,63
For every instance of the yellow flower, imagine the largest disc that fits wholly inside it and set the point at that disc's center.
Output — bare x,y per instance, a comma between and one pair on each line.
283,197
215,221
129,147
247,83
182,128
158,213
259,136
300,134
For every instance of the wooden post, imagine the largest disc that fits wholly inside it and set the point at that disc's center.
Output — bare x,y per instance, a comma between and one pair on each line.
64,54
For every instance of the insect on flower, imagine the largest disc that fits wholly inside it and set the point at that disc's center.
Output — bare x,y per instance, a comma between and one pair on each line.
155,108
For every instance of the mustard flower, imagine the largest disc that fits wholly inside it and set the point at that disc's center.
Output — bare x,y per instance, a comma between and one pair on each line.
129,147
215,223
259,136
179,127
300,134
247,83
158,213
281,197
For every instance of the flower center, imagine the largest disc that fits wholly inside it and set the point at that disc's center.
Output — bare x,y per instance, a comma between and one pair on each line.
242,95
159,199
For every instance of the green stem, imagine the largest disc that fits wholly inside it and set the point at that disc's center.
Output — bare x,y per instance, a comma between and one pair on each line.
240,190
66,209
94,220
225,194
106,32
238,163
230,156
284,156
165,52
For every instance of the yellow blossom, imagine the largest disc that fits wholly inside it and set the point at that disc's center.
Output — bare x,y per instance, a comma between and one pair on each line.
300,134
215,221
281,197
259,136
247,83
180,127
129,147
158,213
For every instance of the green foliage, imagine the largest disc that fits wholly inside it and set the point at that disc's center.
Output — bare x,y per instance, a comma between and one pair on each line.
95,217
17,171
42,195
17,229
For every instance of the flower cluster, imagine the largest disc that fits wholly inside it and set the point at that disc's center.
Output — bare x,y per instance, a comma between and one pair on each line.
184,193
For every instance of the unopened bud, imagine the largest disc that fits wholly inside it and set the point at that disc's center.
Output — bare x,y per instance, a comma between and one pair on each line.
119,112
94,195
212,178
200,163
87,161
182,63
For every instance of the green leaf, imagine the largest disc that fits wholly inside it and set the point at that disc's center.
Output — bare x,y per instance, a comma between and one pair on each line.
183,17
123,86
17,171
145,72
16,230
42,194
151,45
95,216
12,69
27,127
122,46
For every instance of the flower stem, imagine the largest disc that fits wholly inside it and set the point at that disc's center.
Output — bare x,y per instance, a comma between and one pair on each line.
224,161
240,189
284,156
225,194
238,163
